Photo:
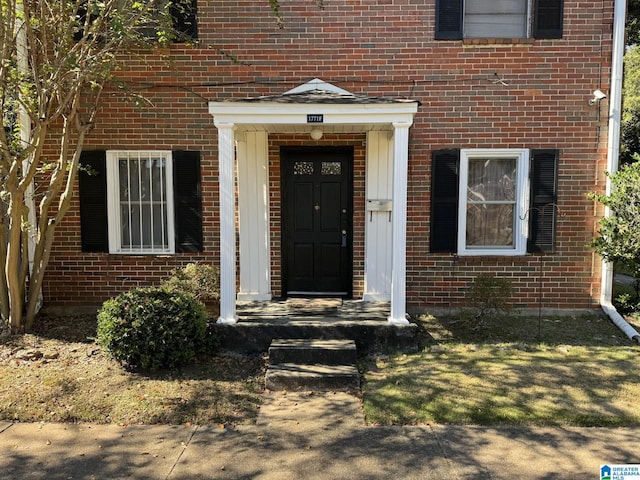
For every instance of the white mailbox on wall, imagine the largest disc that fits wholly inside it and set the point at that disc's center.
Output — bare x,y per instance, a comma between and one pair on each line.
379,205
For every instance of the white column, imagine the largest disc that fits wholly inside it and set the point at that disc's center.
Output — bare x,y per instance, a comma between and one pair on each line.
399,224
227,224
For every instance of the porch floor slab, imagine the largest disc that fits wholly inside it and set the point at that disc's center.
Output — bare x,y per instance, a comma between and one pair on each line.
313,310
364,322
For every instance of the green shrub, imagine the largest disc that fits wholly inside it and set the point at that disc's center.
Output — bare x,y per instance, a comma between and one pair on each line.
198,279
489,294
152,328
626,303
617,239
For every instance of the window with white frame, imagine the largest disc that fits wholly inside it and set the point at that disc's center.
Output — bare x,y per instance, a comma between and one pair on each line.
494,195
140,202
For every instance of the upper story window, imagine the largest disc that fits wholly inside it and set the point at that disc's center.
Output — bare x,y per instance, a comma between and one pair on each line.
496,18
458,19
183,16
149,24
184,20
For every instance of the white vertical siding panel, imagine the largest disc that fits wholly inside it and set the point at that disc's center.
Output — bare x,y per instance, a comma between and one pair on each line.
385,218
262,215
379,175
243,212
253,217
253,205
371,224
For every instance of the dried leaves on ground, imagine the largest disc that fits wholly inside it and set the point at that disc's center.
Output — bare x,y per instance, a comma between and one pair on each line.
59,374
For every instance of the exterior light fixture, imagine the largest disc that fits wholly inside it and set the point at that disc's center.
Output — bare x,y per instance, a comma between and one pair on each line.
597,96
316,133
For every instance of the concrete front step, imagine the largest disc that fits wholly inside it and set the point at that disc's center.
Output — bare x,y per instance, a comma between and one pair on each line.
288,376
312,351
371,336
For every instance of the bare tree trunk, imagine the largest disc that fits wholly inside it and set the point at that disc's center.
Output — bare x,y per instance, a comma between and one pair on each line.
4,294
47,226
7,28
12,264
37,276
23,273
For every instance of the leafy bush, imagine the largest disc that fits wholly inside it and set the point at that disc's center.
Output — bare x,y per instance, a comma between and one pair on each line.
626,303
152,328
619,234
489,294
198,279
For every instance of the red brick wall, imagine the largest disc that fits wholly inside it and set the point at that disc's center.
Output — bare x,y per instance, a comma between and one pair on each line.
374,48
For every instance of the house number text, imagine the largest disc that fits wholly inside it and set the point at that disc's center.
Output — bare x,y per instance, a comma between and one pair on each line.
315,118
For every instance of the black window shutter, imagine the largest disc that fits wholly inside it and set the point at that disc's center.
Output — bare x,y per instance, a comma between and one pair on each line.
92,184
187,191
444,201
548,18
449,19
543,204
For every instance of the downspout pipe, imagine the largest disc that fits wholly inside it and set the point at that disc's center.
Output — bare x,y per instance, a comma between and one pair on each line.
613,150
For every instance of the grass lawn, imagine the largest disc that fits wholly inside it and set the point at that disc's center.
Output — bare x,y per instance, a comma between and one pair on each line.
60,375
504,370
512,370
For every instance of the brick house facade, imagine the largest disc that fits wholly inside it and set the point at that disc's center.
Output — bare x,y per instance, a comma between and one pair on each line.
501,150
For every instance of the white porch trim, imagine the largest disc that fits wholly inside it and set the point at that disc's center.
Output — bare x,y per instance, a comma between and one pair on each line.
264,116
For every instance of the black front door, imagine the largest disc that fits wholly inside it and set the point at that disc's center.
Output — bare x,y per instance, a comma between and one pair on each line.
316,217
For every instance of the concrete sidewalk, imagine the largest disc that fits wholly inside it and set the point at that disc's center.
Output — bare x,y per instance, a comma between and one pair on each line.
310,436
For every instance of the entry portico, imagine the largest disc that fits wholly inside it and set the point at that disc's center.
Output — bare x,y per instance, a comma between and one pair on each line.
243,129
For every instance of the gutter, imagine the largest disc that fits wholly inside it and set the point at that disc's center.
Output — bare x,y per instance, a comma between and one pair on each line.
613,150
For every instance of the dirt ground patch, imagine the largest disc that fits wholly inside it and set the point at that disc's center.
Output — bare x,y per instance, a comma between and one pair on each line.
59,374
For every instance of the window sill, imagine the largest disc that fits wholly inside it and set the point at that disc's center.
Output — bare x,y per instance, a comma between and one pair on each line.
491,253
142,254
471,260
474,42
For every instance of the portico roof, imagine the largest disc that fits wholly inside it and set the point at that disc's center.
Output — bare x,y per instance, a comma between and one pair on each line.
340,111
325,97
311,106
